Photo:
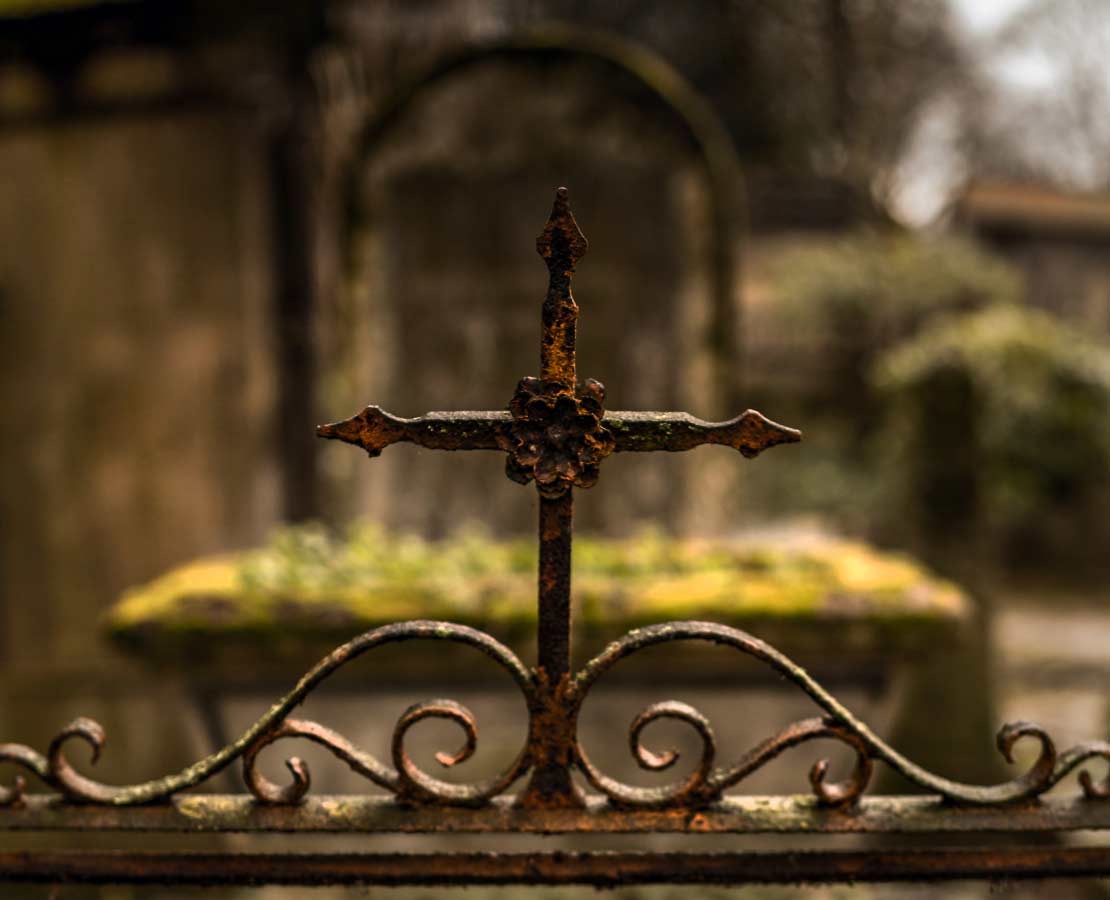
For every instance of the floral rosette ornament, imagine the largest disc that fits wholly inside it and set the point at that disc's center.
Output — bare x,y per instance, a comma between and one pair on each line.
558,439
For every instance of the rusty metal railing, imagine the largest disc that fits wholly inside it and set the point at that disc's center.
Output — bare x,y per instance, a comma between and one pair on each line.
557,433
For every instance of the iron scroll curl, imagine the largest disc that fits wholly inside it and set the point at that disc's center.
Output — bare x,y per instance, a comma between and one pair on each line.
411,785
707,784
406,780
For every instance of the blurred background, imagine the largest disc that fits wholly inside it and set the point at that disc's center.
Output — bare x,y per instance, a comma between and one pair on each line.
885,223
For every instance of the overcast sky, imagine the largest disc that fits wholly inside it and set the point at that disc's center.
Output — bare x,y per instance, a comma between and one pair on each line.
985,15
930,174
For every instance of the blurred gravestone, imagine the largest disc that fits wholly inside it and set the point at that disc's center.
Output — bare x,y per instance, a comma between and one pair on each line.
449,309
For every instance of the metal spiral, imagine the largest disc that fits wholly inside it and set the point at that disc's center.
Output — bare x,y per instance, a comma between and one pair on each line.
55,769
839,724
694,791
417,786
412,785
23,756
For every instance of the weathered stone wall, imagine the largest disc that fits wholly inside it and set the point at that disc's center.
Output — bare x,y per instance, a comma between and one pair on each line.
137,382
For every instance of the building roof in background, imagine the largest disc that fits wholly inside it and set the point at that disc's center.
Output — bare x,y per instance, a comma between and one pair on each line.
994,206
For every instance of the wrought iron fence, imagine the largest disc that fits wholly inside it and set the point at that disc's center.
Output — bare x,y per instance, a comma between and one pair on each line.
557,433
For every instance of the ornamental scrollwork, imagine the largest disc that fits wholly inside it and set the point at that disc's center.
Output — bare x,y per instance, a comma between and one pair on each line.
411,785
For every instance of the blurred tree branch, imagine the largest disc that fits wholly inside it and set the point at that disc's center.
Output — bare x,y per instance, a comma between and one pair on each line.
1057,130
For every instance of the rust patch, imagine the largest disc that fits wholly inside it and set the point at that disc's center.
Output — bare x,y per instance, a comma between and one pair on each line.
561,244
552,721
558,438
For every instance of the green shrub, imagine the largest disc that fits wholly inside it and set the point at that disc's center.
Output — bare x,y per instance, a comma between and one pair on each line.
1026,398
875,288
832,308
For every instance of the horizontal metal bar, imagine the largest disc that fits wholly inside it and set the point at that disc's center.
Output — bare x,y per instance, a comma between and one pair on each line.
380,814
750,432
609,869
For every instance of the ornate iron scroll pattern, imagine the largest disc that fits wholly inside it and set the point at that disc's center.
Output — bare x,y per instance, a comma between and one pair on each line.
555,433
706,784
405,779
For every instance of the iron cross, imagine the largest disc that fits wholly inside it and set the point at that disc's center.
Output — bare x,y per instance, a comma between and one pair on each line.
556,433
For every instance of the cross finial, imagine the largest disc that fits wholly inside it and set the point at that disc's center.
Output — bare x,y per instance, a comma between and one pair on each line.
554,430
556,433
562,242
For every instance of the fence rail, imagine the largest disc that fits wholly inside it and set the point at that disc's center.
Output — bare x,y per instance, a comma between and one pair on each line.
346,814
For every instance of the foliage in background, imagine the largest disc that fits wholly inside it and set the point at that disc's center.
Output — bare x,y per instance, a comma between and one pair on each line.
1033,395
835,306
871,288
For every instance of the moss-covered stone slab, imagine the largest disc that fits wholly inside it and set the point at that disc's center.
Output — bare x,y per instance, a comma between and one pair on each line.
306,591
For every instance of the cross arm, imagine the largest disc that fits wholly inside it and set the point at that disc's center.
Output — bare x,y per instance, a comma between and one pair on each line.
374,429
750,432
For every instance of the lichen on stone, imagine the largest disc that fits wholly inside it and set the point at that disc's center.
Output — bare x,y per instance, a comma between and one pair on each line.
307,583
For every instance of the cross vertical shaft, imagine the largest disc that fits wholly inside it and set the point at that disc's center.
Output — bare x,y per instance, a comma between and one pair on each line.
556,518
561,244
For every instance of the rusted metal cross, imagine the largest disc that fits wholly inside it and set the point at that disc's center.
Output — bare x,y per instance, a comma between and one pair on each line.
556,433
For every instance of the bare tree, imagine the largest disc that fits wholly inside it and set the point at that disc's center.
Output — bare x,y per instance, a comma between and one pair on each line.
1056,130
836,87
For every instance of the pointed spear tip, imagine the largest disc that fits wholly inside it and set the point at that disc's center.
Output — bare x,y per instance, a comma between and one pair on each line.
779,434
755,433
348,430
372,430
561,207
562,240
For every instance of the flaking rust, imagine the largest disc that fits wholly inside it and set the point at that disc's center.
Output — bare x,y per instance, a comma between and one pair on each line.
562,245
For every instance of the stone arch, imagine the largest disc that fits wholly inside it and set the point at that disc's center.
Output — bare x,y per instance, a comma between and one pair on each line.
697,121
